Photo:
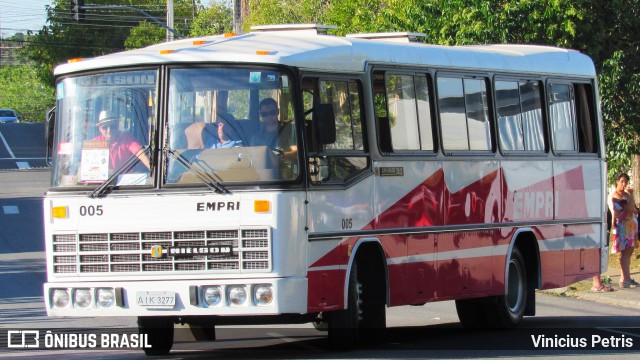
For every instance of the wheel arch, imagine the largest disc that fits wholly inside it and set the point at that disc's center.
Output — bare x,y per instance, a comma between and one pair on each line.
369,253
526,242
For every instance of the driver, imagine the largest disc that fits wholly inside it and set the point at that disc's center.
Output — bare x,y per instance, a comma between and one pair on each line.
122,146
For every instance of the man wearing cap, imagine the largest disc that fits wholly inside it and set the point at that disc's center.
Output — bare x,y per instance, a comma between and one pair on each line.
121,145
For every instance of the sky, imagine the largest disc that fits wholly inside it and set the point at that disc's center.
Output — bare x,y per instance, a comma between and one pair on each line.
22,15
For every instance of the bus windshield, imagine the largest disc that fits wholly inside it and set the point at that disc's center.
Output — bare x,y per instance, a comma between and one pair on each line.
222,126
230,125
104,126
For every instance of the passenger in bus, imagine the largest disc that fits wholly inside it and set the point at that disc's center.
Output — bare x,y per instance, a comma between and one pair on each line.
122,146
624,227
228,135
272,133
224,133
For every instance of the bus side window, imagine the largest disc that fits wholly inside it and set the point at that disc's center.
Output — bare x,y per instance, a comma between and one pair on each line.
403,112
519,110
464,113
340,161
573,118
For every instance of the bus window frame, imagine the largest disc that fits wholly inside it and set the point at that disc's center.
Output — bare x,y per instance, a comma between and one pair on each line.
544,108
294,89
435,128
308,155
491,112
593,114
154,131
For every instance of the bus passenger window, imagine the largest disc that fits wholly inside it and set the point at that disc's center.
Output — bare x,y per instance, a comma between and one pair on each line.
464,113
403,112
519,109
563,117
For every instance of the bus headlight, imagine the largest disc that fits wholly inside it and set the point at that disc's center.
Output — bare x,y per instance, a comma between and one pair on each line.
82,298
106,298
237,295
59,298
262,294
212,295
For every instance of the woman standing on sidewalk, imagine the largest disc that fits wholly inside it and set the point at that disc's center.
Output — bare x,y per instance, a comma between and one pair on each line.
624,229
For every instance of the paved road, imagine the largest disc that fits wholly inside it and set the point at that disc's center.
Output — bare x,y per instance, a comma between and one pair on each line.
22,146
414,332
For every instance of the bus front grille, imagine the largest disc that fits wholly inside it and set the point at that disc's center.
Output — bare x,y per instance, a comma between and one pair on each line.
148,252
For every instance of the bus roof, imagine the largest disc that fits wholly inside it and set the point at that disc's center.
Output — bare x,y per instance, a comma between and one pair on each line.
343,54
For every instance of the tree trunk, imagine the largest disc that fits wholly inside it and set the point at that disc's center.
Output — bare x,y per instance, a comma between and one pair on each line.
634,174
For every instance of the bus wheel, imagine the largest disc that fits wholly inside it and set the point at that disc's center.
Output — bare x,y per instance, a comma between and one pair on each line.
471,313
508,310
344,324
159,332
203,332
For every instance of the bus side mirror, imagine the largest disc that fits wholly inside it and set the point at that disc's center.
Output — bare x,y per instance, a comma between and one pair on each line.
325,121
50,124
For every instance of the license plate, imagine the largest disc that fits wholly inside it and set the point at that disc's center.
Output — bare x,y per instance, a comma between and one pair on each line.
157,299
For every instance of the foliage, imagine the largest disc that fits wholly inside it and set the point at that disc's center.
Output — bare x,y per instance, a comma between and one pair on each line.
263,12
23,92
217,19
103,31
145,34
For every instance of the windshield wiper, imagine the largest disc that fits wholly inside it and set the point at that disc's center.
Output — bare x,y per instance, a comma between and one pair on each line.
203,176
100,190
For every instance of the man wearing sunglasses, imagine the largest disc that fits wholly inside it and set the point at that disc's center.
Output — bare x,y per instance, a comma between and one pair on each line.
280,138
122,146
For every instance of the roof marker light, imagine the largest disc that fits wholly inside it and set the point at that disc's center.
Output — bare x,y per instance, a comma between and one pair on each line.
229,34
71,61
199,42
262,52
164,52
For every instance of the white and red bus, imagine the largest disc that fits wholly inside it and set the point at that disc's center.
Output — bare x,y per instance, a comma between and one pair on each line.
400,174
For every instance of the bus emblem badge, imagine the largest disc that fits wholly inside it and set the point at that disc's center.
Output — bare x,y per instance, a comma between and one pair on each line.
156,251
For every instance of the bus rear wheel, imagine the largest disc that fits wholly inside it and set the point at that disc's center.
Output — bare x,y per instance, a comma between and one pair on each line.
501,312
159,332
508,310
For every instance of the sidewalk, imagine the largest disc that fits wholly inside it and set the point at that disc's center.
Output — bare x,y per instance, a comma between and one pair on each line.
629,297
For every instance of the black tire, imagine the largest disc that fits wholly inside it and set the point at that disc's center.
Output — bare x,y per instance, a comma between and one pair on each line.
508,310
160,334
203,332
344,324
471,313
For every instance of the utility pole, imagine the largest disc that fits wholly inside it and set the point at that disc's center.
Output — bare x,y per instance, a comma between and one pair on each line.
169,19
237,16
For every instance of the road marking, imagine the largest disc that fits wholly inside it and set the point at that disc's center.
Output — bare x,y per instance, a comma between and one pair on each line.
24,158
620,332
7,145
11,210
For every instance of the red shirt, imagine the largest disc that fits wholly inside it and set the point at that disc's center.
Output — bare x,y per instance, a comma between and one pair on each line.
121,149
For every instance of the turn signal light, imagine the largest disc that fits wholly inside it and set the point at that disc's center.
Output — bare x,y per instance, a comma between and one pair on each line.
60,212
261,206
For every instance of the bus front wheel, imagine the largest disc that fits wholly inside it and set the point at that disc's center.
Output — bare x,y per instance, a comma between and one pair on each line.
159,332
344,324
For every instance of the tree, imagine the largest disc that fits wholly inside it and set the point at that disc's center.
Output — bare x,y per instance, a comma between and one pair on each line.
101,32
217,19
23,92
145,34
264,12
